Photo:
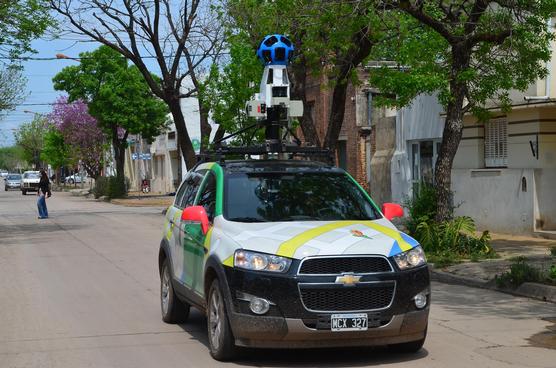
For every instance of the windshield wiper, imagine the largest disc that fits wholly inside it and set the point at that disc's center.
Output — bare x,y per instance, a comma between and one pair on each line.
246,219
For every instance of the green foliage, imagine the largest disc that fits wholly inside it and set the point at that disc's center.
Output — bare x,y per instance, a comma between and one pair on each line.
30,137
456,236
421,207
553,251
116,187
552,273
20,22
519,273
110,187
55,151
226,90
116,93
101,186
11,158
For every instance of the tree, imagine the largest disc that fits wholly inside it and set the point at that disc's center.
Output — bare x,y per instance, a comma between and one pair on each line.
20,23
11,158
117,97
227,90
181,37
82,137
55,151
470,52
323,46
30,137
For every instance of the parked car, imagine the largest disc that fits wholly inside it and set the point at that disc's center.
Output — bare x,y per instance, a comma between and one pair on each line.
12,181
3,173
72,179
289,254
30,182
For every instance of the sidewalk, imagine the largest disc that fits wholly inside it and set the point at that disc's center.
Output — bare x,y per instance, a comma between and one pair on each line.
481,274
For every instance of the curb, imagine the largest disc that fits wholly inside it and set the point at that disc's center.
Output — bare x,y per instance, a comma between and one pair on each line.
532,290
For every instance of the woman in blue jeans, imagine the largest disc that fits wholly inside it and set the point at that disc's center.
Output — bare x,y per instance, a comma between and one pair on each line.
43,193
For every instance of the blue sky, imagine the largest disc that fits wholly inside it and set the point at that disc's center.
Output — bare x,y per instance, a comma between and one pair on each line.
39,82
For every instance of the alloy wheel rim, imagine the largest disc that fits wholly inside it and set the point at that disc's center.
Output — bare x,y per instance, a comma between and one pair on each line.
215,319
165,291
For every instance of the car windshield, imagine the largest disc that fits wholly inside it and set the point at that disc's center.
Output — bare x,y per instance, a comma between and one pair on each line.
31,176
268,197
14,177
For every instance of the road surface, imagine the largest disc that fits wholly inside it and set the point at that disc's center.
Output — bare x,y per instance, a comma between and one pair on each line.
80,289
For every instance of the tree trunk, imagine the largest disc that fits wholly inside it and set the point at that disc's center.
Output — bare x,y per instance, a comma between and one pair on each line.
363,45
206,129
337,112
451,136
298,91
186,148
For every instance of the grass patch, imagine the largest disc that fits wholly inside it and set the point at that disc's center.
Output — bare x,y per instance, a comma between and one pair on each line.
521,271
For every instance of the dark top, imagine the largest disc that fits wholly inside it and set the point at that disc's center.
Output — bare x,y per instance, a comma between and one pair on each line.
44,186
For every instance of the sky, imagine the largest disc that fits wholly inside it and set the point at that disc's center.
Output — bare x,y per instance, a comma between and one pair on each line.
39,74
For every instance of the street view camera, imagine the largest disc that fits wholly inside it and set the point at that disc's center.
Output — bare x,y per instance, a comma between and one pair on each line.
272,106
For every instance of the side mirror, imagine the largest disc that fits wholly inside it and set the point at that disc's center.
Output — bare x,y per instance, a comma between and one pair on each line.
196,214
392,210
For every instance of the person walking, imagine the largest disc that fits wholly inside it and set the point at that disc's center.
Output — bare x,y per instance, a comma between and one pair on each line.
43,193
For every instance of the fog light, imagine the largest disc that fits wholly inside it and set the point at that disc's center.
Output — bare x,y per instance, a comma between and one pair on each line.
259,305
420,300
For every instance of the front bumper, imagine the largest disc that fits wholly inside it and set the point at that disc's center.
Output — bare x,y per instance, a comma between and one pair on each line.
289,324
13,185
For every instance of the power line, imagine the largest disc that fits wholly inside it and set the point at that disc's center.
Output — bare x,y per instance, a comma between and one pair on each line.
32,58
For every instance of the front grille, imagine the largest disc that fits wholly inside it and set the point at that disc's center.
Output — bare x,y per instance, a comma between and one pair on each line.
342,299
339,265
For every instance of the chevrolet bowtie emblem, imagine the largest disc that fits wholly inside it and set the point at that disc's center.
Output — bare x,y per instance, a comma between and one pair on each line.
348,279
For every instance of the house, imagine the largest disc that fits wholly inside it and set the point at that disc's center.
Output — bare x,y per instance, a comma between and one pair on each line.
503,173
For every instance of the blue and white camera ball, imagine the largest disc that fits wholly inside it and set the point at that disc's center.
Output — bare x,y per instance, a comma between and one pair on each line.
275,49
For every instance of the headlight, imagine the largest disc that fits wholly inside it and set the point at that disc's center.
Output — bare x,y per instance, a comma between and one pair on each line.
411,258
261,261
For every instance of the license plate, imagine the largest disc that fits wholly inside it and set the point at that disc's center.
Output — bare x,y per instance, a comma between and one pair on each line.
349,322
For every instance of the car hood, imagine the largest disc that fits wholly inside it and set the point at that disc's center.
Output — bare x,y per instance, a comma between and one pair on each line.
301,239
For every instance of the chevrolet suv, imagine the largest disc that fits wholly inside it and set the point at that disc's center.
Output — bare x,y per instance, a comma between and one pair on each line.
290,254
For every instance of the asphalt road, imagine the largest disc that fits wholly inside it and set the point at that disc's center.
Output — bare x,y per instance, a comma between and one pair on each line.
81,290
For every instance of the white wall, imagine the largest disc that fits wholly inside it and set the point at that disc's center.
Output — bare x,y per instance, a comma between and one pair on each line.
494,198
418,121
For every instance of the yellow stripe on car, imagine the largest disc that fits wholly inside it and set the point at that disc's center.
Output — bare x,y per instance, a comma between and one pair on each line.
289,247
206,243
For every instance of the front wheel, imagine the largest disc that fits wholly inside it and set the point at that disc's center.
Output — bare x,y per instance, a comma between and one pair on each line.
24,192
173,310
221,339
409,347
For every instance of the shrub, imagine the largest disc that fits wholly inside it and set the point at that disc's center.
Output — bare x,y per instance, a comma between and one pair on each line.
519,273
116,187
553,251
421,207
101,186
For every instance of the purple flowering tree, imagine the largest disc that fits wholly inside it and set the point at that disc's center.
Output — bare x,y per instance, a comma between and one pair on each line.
81,132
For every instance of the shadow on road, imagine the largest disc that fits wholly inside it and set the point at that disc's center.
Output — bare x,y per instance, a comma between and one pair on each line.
28,231
340,357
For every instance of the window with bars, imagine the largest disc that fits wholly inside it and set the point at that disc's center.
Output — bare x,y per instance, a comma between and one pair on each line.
496,143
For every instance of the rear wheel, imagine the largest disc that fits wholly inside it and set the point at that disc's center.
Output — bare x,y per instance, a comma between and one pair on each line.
173,309
23,192
221,339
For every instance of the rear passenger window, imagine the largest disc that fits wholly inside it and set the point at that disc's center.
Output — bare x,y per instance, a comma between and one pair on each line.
207,197
193,184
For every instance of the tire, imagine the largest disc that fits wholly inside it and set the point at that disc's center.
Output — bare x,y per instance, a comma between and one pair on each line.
221,340
24,192
411,347
173,310
70,181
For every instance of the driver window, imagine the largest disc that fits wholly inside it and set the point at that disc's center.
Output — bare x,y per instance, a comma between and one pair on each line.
194,181
207,196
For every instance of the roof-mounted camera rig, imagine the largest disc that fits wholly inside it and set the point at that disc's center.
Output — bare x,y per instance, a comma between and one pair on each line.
273,108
